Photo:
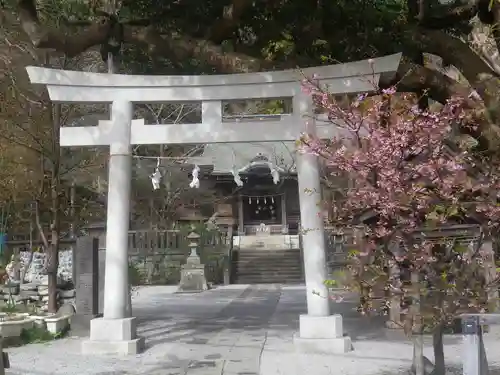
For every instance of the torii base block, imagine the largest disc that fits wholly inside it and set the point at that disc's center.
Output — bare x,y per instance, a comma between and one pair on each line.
322,335
113,336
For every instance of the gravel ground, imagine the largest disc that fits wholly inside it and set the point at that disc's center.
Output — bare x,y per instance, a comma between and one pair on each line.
237,330
368,358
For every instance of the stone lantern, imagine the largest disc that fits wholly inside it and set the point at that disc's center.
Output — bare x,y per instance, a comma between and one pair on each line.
193,278
194,239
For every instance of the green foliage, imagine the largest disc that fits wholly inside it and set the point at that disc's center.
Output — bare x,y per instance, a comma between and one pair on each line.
330,283
38,334
295,30
56,12
34,335
9,308
135,276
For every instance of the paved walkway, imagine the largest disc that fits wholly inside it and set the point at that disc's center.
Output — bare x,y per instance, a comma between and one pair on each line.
234,330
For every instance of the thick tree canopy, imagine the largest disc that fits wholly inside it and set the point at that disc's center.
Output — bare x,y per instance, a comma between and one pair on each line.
226,36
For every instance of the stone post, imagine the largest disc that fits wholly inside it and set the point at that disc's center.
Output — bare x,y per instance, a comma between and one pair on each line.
474,360
319,331
116,332
86,266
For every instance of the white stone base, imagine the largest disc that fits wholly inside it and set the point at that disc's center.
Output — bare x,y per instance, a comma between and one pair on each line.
113,347
57,324
113,336
323,346
322,334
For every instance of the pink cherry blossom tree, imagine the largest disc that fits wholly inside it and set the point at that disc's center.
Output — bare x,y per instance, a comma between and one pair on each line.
412,170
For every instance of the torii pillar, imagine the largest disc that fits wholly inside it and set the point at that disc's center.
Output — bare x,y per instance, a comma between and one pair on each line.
116,331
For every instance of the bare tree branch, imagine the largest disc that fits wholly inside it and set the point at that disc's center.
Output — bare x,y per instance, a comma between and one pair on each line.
414,78
183,47
445,15
71,45
225,25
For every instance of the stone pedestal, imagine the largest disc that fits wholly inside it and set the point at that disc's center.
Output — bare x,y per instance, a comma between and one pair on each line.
113,336
193,278
322,334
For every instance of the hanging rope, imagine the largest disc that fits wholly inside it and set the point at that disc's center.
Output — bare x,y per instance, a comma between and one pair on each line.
162,157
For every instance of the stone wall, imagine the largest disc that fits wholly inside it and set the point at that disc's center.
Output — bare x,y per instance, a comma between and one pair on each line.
159,268
36,274
34,288
34,294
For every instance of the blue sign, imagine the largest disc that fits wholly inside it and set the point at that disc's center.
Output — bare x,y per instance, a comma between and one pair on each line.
3,241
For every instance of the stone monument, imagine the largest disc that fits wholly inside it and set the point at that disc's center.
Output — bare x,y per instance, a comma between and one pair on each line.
86,278
193,272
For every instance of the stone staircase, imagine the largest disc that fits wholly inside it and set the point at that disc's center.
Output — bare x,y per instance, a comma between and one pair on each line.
267,242
263,266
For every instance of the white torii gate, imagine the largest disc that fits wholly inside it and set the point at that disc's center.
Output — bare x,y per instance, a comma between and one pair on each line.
115,332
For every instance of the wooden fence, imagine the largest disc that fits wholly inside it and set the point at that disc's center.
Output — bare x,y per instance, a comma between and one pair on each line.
158,255
339,241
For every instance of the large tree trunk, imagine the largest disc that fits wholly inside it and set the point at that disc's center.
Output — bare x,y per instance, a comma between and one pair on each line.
53,253
438,346
417,337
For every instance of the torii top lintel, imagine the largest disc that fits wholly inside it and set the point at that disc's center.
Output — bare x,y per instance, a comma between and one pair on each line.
74,86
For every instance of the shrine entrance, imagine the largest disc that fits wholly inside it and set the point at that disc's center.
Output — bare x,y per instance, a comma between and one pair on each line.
116,331
262,209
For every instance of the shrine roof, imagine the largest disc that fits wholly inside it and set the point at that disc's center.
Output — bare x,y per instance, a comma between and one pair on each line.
225,157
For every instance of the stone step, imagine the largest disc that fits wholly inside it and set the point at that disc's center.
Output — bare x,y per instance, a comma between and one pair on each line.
267,253
257,271
284,261
270,276
269,280
255,266
267,259
268,267
263,263
273,251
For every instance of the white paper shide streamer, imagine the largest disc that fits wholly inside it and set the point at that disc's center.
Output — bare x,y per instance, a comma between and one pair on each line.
156,176
275,174
195,183
236,177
